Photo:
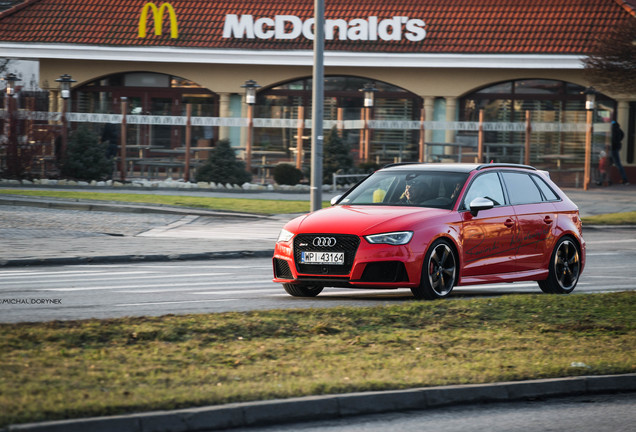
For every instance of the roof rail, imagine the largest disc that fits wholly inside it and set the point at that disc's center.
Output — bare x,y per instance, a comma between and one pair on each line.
401,163
504,165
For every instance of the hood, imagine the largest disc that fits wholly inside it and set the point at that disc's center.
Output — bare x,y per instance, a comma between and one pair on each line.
362,220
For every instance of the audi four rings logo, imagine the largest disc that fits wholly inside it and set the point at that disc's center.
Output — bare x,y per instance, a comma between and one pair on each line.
324,241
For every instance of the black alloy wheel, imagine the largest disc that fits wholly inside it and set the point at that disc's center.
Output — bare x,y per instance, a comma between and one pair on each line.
439,272
564,269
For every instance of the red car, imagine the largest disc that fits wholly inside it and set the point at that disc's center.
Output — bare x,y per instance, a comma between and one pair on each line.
431,227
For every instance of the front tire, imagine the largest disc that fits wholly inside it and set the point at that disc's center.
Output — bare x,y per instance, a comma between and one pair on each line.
303,290
439,272
564,268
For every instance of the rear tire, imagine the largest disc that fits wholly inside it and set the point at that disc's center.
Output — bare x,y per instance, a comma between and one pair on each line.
564,268
439,272
303,290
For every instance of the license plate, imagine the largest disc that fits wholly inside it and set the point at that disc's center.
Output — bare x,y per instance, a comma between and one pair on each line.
330,258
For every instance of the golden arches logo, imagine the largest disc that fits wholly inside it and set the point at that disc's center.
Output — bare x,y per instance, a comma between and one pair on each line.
157,15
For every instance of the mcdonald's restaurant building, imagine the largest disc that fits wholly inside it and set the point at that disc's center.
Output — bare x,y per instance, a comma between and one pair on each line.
435,66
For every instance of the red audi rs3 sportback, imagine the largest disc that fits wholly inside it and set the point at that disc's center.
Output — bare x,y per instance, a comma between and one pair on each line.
431,227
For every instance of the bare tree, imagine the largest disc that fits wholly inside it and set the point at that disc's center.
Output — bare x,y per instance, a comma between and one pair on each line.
611,66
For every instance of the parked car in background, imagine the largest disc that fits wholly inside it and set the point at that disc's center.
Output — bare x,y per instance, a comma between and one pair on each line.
431,227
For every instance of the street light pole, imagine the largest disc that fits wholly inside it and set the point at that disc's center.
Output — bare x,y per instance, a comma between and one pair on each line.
250,87
13,164
317,106
590,104
65,91
369,99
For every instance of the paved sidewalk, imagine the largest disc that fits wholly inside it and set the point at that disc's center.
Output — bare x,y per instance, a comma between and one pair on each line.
36,231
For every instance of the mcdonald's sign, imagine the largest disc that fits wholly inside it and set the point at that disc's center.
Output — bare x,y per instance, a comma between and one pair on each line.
157,15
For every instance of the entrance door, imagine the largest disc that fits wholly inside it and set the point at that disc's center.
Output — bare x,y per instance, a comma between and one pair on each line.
156,103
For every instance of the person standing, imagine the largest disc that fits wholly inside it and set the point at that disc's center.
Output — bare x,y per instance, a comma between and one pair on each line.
617,138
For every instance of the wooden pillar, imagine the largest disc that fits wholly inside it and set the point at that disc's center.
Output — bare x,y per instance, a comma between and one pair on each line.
122,150
588,149
299,137
526,154
480,139
422,151
188,138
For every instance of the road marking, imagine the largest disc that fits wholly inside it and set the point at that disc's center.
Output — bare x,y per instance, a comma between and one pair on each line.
184,284
246,291
116,278
172,302
595,242
37,275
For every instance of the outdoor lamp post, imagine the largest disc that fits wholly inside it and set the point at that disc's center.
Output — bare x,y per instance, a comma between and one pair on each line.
369,96
590,104
65,92
11,80
13,167
250,87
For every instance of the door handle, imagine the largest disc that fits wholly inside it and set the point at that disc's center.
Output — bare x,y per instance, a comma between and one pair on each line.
547,220
509,223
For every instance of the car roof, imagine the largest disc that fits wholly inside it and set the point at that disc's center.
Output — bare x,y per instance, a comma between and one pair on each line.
451,167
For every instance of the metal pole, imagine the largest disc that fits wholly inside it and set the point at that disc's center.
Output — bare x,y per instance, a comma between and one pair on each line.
317,106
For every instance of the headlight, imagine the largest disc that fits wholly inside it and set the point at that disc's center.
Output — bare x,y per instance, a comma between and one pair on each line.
394,238
284,236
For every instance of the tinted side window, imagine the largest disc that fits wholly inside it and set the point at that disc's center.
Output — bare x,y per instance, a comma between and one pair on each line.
485,186
521,188
548,193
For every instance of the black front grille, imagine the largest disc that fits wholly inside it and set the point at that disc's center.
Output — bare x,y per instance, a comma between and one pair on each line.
281,269
343,243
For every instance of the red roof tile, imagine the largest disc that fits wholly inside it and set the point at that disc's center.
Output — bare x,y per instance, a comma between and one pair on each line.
474,26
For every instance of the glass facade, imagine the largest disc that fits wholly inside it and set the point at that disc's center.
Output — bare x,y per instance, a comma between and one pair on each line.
549,101
342,98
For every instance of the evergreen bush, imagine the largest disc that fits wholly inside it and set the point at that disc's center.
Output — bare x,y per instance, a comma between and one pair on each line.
287,174
337,156
86,157
223,167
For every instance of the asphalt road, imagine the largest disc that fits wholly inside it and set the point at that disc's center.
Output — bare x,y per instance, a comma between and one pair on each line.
106,291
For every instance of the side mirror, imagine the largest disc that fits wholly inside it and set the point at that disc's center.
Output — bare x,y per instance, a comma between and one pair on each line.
335,200
479,204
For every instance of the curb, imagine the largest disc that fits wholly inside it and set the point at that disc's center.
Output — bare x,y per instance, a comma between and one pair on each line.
311,408
118,259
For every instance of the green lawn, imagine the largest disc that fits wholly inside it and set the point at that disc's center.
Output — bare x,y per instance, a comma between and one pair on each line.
241,205
58,370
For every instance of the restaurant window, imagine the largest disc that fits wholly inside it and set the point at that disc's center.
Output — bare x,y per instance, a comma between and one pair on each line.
549,101
342,94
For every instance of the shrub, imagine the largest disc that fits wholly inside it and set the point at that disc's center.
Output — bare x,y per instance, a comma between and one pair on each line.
86,157
223,167
337,156
286,174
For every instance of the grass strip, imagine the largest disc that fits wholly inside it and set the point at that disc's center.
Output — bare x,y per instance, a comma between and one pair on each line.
626,218
58,370
243,205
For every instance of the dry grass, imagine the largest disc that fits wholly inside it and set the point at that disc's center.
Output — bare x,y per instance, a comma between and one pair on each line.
59,370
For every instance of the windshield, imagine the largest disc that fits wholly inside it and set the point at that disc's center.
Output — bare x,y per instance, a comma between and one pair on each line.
408,188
